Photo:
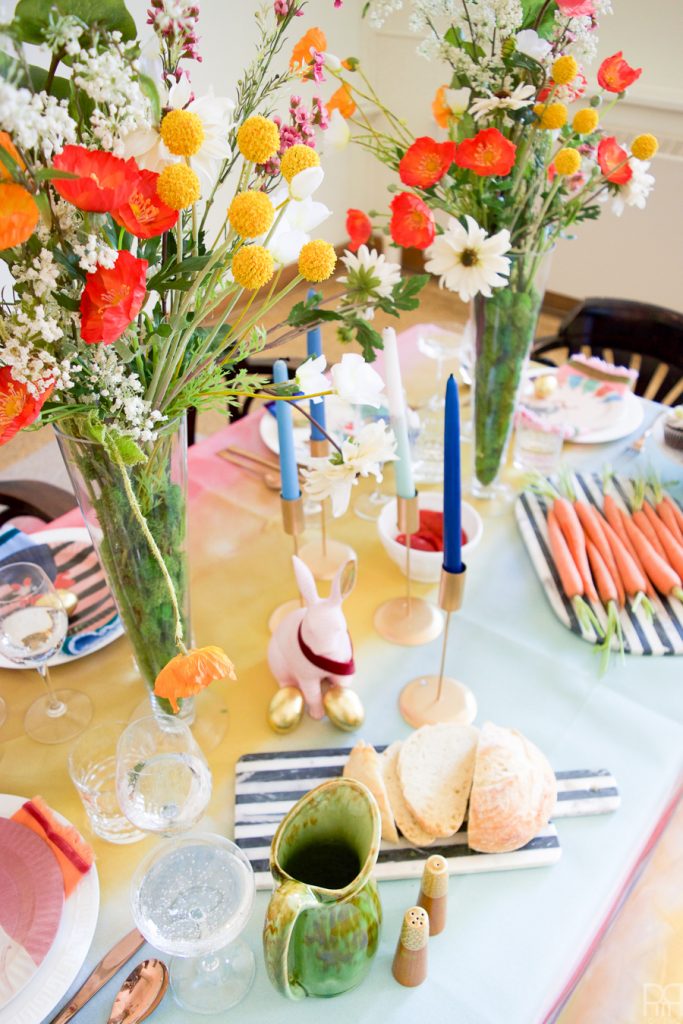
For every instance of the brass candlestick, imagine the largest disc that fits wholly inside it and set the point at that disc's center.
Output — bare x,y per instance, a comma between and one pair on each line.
325,557
432,699
293,523
408,620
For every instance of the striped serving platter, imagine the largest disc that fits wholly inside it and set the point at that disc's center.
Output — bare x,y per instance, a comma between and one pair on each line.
269,784
664,635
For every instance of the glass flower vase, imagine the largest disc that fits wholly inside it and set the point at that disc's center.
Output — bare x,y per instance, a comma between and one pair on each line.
139,585
505,326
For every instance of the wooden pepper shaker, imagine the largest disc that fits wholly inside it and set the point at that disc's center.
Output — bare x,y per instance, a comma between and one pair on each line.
410,960
434,892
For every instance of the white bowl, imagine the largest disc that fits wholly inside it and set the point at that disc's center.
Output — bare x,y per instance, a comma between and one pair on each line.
425,566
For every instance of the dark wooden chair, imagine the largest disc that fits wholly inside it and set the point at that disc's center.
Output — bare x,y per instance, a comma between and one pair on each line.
33,498
645,337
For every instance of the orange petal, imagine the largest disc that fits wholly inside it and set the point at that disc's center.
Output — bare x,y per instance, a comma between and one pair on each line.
187,674
19,215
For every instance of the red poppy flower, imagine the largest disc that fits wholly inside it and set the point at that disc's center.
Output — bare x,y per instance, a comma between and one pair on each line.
112,299
568,93
425,162
576,8
488,153
610,156
358,227
412,222
143,213
18,408
104,181
615,74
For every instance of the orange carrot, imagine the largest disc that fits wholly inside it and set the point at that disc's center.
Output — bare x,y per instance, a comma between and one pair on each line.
632,576
570,578
591,521
607,590
665,579
613,515
672,549
646,527
670,513
569,523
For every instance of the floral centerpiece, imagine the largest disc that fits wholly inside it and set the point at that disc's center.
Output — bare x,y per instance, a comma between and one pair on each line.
146,229
525,158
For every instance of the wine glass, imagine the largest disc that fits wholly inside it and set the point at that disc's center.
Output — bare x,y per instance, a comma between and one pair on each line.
191,898
163,782
440,345
33,624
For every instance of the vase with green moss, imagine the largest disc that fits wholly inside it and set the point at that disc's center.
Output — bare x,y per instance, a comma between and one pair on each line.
136,514
505,327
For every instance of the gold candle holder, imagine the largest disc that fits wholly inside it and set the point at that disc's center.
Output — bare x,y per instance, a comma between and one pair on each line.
293,523
324,557
409,621
429,700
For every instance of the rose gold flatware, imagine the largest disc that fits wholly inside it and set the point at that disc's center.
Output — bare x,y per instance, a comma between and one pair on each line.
140,994
105,969
243,453
270,477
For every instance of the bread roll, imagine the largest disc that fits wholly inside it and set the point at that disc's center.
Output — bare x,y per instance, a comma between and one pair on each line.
513,792
404,819
435,768
364,765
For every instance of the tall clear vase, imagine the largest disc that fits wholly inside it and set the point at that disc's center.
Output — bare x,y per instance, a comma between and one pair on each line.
139,586
505,326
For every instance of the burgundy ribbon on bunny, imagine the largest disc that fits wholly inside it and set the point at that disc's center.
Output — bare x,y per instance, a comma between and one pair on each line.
335,668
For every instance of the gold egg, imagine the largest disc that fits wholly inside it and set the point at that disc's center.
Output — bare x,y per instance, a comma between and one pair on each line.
286,709
65,599
344,708
545,385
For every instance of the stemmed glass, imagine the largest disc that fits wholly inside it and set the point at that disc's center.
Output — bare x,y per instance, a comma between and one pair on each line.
33,624
440,345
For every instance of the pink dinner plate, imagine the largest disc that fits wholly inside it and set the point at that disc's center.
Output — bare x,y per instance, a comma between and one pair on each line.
31,904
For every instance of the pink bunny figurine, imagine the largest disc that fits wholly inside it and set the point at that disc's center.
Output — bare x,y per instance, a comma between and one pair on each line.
312,644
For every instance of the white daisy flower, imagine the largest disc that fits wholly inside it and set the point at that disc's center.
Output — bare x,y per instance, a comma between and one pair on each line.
369,273
521,96
363,455
467,260
356,382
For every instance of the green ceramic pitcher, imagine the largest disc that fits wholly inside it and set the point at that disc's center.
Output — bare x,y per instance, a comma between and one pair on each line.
323,920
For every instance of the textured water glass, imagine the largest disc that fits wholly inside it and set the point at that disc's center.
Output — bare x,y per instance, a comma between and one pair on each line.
92,768
537,450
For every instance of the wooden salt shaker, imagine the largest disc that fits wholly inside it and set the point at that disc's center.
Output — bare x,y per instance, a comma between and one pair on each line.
434,892
410,960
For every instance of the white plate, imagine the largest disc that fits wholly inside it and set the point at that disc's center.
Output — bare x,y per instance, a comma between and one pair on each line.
81,644
58,970
340,422
630,419
675,454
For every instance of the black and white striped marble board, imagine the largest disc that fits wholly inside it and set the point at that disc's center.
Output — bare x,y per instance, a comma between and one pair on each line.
664,635
269,784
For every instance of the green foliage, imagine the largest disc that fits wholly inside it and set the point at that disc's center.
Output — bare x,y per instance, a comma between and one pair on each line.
31,17
36,78
178,276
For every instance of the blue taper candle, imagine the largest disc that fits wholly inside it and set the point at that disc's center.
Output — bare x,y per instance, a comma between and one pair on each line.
314,348
283,411
452,498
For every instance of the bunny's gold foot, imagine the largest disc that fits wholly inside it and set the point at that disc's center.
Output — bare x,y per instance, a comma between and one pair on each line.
343,707
286,709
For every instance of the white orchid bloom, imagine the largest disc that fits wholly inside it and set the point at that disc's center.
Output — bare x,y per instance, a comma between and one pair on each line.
338,134
325,479
363,455
529,42
356,382
293,226
306,182
374,445
285,245
310,376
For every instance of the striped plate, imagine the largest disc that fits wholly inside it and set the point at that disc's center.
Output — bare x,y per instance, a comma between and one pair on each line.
664,635
269,784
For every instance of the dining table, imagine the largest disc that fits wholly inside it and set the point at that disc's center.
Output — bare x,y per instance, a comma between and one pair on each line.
517,943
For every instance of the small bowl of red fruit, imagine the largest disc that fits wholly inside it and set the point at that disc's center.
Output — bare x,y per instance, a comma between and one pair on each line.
426,554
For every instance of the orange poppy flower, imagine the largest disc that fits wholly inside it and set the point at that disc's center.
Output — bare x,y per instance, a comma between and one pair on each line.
440,109
359,228
314,39
144,214
112,298
342,101
19,215
488,153
9,147
187,674
104,181
425,162
18,408
615,74
412,222
611,156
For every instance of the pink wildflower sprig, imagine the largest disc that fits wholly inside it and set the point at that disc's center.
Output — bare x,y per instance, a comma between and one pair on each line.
176,26
299,128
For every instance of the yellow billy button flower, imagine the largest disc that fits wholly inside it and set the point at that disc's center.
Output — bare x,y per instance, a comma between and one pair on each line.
258,139
317,260
178,186
565,70
567,161
551,115
251,214
585,121
644,147
182,132
252,267
298,158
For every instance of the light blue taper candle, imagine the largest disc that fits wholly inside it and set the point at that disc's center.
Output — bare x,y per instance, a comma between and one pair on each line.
285,432
314,348
403,467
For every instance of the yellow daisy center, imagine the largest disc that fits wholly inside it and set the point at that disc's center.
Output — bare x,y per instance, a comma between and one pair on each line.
182,132
251,214
178,186
296,159
252,267
317,260
258,139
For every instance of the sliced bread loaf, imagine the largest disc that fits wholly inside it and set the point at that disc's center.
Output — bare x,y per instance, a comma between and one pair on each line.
513,792
435,768
404,819
364,765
